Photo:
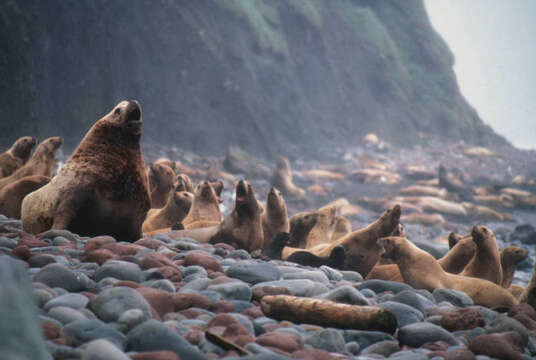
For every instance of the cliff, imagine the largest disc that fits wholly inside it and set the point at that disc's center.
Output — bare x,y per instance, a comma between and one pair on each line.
268,75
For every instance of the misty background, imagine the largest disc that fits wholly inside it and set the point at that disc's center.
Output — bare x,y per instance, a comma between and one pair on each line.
495,52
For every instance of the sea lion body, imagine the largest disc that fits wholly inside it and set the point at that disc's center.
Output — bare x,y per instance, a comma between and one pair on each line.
420,270
300,226
275,217
319,234
341,227
205,206
175,211
184,183
11,195
16,156
282,180
486,263
161,183
41,163
103,188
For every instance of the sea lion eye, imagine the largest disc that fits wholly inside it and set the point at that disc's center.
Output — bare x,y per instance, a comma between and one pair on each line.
117,111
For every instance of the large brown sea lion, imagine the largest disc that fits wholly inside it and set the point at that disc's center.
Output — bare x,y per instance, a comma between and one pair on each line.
16,156
103,188
420,270
161,182
274,217
11,195
282,179
362,249
41,162
205,206
486,263
511,256
176,209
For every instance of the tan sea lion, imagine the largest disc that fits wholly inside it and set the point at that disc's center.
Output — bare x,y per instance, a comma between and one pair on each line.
486,263
420,270
218,188
282,179
275,217
41,162
511,256
300,226
484,213
362,249
176,209
341,227
423,219
201,224
184,183
161,182
422,190
103,188
529,293
319,234
11,195
16,156
205,206
502,200
165,161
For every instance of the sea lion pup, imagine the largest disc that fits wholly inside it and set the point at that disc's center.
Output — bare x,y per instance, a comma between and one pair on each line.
103,188
175,211
454,261
282,179
420,270
161,182
486,263
341,227
11,195
511,256
319,234
41,163
16,156
362,249
184,183
274,217
205,206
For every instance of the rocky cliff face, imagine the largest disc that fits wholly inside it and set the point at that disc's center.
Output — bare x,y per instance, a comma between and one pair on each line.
267,75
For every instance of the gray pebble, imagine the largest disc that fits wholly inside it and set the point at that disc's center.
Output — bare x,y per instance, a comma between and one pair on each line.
329,339
236,290
405,314
66,315
102,349
456,298
83,331
111,303
417,334
346,295
121,270
71,300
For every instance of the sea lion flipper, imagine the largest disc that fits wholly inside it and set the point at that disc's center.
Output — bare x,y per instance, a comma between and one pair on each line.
275,248
337,257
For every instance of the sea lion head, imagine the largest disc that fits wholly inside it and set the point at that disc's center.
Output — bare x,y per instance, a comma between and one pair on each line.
481,233
275,201
22,148
160,175
300,226
48,147
122,125
514,254
184,183
392,247
183,200
453,239
205,192
218,188
245,198
283,164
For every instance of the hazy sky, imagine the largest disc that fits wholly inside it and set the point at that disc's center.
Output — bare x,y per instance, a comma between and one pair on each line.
494,42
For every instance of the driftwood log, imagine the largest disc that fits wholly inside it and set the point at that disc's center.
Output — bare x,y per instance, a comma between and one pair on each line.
327,313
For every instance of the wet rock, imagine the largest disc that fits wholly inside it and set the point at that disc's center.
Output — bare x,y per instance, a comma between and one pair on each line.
111,303
205,261
384,348
161,301
155,355
259,292
507,345
19,328
41,260
57,275
414,300
305,288
404,314
121,270
185,301
456,298
131,318
352,276
417,334
83,331
66,315
253,273
286,342
235,290
102,349
345,294
228,327
312,354
330,340
75,301
379,286
525,234
366,338
462,319
153,335
316,276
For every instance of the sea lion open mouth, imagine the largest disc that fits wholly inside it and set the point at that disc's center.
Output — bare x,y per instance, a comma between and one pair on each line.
133,112
241,192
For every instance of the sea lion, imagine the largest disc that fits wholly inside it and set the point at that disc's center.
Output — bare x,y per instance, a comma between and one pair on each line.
420,270
341,227
319,234
11,195
362,250
201,224
176,209
184,183
375,176
282,180
41,162
484,213
16,156
300,226
281,239
103,187
275,217
453,239
205,206
165,161
486,263
502,200
161,182
218,186
529,293
422,190
423,219
511,256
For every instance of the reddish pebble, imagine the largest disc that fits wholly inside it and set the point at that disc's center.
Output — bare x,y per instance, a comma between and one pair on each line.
222,307
50,330
283,341
155,355
232,329
462,319
150,243
155,260
205,261
22,252
160,300
312,354
507,345
99,256
97,242
185,301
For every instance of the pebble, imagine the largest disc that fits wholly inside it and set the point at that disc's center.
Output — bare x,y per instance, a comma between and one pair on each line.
83,331
253,273
236,290
302,287
405,314
417,334
456,298
111,303
121,270
330,340
345,294
384,348
379,286
57,275
102,349
75,301
66,315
